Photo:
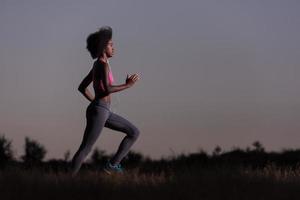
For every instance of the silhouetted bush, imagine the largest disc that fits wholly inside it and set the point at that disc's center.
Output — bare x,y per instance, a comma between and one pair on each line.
133,158
258,146
217,150
6,153
99,157
34,152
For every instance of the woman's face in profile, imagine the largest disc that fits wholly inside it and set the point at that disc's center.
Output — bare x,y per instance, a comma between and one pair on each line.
109,50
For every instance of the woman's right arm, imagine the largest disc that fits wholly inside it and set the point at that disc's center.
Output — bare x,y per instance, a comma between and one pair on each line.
83,86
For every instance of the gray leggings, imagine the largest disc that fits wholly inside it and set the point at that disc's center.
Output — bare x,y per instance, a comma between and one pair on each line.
99,115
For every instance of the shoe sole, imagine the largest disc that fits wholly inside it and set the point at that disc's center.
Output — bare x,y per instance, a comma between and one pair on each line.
108,172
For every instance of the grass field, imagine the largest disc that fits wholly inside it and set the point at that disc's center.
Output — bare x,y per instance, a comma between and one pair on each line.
193,182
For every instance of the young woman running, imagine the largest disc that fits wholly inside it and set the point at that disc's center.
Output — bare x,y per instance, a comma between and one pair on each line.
98,112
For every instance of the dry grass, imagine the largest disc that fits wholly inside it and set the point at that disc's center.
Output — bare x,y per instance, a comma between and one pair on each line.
274,173
223,182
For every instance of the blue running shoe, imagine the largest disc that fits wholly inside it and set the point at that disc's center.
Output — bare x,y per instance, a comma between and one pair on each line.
109,168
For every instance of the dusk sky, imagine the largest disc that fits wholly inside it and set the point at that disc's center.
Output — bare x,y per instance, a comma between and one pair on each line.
211,73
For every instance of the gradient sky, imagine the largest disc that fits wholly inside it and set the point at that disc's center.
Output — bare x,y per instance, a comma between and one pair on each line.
211,73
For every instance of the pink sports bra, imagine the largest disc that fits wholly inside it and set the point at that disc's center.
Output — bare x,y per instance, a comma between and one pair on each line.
100,85
110,76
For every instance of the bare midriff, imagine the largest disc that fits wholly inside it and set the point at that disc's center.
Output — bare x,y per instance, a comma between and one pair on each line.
107,99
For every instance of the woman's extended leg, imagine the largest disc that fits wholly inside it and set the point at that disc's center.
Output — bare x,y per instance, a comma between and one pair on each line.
118,123
96,117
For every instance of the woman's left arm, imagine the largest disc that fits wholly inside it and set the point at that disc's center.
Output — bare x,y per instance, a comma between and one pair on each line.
84,84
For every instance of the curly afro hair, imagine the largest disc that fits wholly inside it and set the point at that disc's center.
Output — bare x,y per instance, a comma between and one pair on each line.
97,41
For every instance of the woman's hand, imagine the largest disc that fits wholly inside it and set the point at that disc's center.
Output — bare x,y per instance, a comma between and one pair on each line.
132,79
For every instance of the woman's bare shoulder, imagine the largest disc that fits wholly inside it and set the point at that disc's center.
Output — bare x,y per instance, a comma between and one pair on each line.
100,63
100,68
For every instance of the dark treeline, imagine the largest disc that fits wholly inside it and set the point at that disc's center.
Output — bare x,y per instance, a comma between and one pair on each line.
254,157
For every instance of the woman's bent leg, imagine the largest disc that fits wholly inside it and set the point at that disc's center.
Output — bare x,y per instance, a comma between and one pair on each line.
96,117
118,123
